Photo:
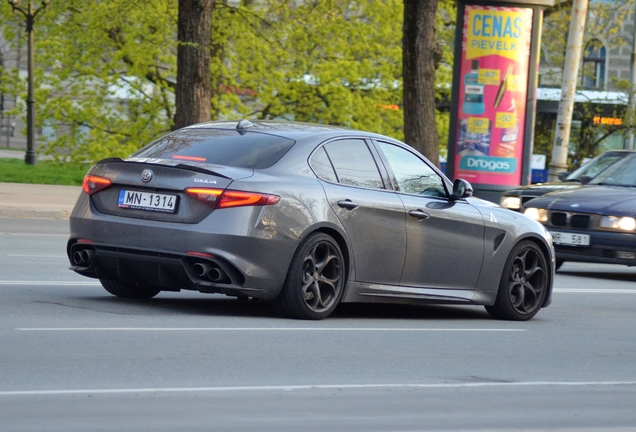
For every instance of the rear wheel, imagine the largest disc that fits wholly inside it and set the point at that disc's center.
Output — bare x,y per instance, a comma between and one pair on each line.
315,280
129,290
523,285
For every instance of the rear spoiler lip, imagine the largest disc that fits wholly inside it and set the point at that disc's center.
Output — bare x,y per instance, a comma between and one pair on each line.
203,168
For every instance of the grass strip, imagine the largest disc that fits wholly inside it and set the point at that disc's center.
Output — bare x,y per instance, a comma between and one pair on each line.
45,172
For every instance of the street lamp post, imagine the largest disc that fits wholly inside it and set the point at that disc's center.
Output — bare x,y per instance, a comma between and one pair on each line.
29,14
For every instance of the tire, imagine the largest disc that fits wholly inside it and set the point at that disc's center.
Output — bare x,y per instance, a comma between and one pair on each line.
315,280
559,263
129,290
523,286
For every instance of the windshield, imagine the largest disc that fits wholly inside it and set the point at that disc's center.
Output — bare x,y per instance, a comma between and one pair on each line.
595,166
220,147
622,173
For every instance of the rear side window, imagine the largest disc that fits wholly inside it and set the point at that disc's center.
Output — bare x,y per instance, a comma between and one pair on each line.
354,163
322,166
220,147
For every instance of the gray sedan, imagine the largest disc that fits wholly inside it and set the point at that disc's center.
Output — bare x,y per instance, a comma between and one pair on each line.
306,216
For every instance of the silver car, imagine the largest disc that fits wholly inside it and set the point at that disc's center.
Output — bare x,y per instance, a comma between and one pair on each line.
305,216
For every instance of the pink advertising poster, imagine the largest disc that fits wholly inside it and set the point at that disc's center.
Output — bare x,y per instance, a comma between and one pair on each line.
492,102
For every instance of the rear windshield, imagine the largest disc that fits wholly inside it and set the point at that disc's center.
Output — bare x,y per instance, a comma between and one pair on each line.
220,147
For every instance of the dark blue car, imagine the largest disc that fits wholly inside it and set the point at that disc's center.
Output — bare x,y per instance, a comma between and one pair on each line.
596,222
515,199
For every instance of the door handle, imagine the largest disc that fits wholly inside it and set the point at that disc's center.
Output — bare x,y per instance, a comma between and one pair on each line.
347,204
419,214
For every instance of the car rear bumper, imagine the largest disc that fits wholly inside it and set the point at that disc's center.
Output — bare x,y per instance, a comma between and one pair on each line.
251,258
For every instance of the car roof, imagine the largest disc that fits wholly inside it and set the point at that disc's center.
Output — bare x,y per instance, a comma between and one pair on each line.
287,129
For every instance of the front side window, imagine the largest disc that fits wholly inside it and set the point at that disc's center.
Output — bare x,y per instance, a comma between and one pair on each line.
354,163
412,174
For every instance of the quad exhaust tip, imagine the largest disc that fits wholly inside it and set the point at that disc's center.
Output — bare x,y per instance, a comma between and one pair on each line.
83,257
208,272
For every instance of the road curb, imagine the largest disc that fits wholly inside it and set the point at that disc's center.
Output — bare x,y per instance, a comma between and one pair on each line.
33,214
21,200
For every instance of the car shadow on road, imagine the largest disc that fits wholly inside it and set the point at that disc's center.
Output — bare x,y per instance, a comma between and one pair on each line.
231,307
403,311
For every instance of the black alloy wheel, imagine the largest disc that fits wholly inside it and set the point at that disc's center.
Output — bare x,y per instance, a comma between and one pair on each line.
129,290
315,280
524,284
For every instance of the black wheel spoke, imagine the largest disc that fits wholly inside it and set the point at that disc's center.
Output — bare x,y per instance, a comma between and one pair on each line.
527,281
517,294
311,294
322,274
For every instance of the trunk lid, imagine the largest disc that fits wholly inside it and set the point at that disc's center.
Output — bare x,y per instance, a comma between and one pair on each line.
154,189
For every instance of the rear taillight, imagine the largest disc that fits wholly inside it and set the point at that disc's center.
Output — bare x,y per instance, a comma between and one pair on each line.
238,198
218,198
94,184
209,197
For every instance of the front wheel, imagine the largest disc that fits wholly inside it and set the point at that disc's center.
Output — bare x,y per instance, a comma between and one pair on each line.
129,290
523,285
315,280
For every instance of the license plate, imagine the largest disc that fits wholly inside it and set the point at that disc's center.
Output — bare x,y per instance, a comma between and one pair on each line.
147,201
570,239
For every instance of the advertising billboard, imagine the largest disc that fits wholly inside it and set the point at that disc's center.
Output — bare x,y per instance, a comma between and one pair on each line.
493,83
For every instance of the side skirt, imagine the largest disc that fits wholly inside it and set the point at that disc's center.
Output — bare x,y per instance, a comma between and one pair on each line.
359,292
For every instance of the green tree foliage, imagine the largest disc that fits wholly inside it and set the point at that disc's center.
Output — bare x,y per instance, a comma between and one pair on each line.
106,69
446,16
603,23
103,75
334,62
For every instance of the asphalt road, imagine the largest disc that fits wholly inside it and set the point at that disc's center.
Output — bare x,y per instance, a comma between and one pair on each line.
74,358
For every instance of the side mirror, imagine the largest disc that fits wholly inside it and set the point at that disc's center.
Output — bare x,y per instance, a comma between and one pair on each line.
585,179
461,189
563,175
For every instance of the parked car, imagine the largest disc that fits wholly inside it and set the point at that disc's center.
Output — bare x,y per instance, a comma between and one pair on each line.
516,198
596,222
306,216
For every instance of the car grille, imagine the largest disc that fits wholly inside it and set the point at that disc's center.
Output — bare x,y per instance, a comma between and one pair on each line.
570,220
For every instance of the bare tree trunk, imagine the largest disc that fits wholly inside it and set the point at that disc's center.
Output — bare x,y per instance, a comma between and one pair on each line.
194,86
420,57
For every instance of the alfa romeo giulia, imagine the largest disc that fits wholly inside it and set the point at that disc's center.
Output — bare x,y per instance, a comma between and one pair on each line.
305,216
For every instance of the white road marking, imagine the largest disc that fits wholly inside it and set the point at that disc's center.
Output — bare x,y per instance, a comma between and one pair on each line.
34,234
595,290
90,282
49,283
317,387
36,256
265,329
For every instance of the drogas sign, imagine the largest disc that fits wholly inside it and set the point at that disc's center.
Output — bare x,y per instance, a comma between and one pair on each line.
488,164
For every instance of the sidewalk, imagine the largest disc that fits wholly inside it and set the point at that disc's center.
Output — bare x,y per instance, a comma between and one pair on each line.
21,200
18,200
